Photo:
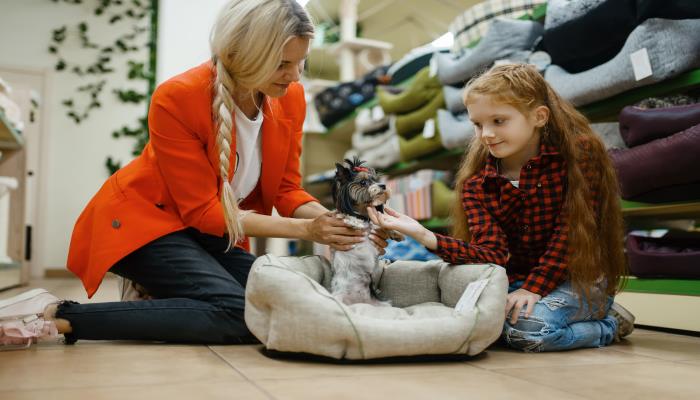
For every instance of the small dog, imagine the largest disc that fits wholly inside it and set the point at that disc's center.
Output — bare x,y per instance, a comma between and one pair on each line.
356,272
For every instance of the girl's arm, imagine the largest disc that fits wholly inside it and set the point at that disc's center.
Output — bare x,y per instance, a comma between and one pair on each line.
488,242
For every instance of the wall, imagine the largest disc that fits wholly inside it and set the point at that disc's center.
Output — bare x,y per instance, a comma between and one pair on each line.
73,163
183,34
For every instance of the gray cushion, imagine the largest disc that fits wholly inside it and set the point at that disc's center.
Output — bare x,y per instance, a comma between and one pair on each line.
289,308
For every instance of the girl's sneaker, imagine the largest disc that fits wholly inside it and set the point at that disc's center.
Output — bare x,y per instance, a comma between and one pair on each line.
625,320
21,319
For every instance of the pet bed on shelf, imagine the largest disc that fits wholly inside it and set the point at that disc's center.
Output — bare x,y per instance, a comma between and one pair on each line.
289,308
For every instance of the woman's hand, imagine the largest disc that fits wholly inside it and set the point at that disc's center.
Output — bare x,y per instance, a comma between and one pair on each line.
378,237
331,230
516,300
392,220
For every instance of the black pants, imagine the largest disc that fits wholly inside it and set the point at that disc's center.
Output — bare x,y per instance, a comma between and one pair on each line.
198,290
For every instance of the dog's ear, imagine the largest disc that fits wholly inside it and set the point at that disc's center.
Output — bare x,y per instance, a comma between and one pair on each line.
341,173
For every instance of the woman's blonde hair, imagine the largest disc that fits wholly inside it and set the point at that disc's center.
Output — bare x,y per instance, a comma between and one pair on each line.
595,242
246,45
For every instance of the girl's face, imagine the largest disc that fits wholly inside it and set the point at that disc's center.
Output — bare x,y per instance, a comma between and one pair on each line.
506,131
293,58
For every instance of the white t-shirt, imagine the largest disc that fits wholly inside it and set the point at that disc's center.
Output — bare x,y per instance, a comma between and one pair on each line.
248,153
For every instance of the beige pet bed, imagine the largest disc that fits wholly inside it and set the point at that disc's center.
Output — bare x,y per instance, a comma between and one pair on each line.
289,309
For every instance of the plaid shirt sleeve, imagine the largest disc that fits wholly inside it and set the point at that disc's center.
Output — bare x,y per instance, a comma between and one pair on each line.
488,242
551,270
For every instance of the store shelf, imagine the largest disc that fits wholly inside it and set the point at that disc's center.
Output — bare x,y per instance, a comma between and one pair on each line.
608,109
683,287
668,210
662,310
10,139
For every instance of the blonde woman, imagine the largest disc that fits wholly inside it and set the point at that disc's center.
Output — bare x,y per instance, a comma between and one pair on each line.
224,149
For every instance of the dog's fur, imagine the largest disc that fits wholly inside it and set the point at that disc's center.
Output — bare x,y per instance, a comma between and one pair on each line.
356,272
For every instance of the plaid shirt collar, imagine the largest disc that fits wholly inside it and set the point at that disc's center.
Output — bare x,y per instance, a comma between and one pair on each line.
491,171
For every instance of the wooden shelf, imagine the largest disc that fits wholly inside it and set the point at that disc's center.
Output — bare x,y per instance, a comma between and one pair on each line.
668,210
10,139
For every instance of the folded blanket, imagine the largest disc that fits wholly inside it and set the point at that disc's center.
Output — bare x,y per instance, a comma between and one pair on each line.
663,162
639,126
672,45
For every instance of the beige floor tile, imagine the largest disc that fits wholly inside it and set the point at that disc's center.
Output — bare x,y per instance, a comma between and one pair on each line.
664,346
501,357
462,382
250,362
110,364
209,390
638,381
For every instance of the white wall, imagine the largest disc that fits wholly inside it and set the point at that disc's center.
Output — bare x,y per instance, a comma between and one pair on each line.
183,34
74,166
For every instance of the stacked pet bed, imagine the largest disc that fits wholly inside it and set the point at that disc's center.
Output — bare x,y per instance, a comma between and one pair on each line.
582,34
473,23
289,309
663,154
675,255
335,103
672,46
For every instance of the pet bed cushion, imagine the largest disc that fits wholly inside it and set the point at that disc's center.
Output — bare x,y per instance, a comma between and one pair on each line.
289,308
639,125
675,255
660,163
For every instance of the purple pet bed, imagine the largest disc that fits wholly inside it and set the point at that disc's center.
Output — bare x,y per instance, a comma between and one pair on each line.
663,162
639,125
671,194
675,255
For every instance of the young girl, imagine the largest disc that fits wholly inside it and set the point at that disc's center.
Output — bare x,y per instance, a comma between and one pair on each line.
539,197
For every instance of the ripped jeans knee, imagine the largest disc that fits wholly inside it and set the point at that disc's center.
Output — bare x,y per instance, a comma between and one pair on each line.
527,334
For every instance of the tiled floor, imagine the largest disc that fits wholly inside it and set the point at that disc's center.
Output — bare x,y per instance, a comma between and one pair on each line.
649,365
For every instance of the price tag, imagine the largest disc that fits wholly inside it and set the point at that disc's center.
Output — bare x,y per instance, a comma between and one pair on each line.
471,294
429,128
433,66
377,113
641,64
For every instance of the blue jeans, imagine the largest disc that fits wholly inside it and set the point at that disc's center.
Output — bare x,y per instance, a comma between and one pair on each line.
198,289
560,322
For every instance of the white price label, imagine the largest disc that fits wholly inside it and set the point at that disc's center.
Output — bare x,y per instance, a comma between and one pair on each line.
641,64
429,129
471,294
433,66
377,113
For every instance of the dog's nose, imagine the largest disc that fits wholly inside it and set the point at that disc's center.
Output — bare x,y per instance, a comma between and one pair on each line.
382,186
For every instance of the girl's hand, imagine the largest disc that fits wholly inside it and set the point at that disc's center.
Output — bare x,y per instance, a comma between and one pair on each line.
392,220
331,230
517,300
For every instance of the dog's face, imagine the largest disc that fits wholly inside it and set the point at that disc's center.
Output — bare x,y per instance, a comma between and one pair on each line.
357,187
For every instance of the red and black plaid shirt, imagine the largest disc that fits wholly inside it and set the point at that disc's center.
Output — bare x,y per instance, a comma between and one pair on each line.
523,229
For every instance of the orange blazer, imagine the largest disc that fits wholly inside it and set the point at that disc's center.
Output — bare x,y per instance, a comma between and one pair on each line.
175,182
